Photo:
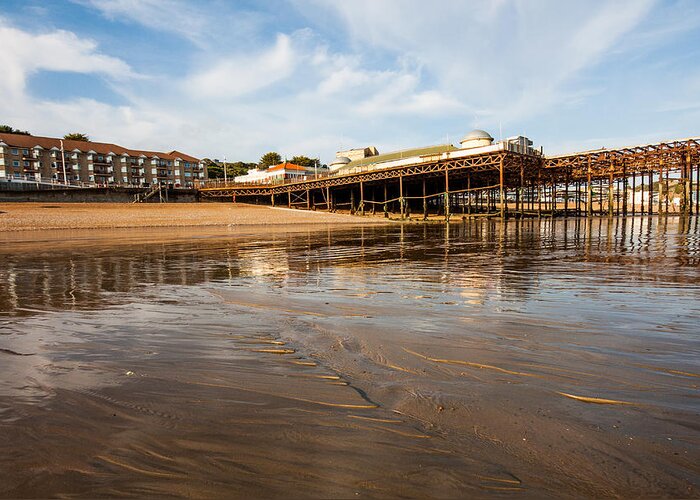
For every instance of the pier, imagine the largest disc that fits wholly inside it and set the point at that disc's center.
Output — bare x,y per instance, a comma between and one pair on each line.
659,178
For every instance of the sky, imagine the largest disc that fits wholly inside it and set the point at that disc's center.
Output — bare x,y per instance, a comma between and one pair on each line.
239,78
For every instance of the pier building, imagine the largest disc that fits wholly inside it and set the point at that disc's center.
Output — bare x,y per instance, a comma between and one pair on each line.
277,174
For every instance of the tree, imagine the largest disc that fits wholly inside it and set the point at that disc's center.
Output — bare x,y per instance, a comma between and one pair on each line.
9,130
305,161
268,160
77,136
215,168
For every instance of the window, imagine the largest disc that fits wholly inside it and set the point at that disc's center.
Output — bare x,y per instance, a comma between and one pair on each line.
14,151
25,152
26,163
15,163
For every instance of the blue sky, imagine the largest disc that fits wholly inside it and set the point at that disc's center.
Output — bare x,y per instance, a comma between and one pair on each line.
240,78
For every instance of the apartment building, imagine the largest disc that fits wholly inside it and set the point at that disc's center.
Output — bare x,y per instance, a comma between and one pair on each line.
47,159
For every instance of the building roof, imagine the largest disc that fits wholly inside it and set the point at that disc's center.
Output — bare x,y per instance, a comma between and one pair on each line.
340,160
183,156
404,153
287,166
476,134
31,141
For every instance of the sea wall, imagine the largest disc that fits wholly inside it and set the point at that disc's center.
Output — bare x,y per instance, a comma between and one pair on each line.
93,195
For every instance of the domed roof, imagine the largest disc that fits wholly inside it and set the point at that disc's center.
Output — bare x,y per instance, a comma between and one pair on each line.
340,160
477,134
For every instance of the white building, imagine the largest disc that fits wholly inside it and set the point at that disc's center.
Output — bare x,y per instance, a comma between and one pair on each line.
278,174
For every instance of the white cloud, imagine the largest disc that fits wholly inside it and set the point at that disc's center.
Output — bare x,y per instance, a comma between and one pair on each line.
243,73
24,54
507,58
175,16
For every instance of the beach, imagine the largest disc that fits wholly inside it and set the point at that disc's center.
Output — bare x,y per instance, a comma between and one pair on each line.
47,216
382,360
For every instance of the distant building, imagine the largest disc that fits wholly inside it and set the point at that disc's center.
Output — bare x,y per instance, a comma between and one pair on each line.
279,173
359,153
474,143
41,159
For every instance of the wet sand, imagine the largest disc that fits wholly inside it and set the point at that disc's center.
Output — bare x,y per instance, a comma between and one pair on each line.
47,216
540,358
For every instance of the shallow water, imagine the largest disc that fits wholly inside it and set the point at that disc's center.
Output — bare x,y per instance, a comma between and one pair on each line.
544,358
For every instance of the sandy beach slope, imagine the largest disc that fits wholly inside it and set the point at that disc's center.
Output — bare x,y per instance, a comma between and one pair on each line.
42,216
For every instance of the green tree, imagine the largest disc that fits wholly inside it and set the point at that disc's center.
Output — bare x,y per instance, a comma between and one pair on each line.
77,136
305,161
10,130
215,168
269,159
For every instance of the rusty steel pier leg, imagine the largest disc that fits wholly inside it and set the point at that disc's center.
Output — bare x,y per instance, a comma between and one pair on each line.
589,191
469,193
501,191
386,208
425,203
362,198
688,179
289,199
697,187
447,195
624,189
634,192
611,200
566,193
661,175
401,200
539,195
666,190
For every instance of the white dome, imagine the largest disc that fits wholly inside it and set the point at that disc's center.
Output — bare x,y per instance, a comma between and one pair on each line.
340,160
475,139
477,134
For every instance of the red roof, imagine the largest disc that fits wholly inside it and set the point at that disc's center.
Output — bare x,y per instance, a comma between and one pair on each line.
30,141
183,156
287,166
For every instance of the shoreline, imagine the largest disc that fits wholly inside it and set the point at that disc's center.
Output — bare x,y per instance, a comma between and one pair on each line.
33,216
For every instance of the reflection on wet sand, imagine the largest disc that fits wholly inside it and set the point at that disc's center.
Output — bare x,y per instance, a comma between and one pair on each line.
545,357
